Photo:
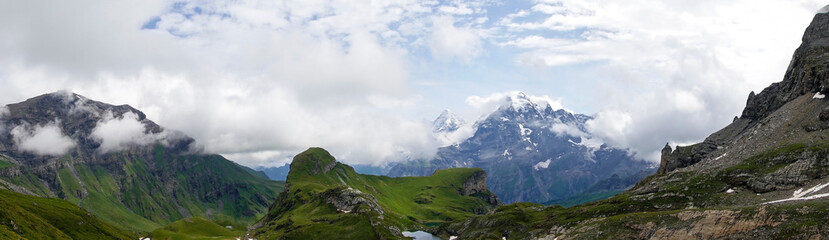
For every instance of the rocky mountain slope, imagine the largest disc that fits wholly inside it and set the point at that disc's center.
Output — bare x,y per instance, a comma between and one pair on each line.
120,166
324,199
763,176
533,153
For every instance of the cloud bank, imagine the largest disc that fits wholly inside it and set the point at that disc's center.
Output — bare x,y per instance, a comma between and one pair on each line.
45,140
120,133
263,80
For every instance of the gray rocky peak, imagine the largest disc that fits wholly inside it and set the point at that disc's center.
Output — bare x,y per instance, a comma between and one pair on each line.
808,72
447,122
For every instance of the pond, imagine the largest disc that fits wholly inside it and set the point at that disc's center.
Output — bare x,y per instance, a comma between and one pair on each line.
421,235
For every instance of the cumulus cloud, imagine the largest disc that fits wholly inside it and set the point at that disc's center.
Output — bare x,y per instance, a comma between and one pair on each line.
448,41
483,105
244,78
263,80
45,140
119,133
455,137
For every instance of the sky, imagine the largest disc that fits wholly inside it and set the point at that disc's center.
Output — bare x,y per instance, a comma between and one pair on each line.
259,81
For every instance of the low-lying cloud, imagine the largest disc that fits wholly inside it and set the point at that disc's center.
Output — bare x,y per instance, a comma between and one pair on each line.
44,140
120,133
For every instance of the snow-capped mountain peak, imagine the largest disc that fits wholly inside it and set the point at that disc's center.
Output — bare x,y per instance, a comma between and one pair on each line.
519,102
447,122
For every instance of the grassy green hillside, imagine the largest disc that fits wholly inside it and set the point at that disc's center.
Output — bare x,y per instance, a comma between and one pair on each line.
324,199
28,217
145,190
198,228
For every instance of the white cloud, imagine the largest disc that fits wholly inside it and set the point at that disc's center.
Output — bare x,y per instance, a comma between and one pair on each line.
612,125
119,133
562,129
455,137
241,77
483,105
252,77
45,140
449,41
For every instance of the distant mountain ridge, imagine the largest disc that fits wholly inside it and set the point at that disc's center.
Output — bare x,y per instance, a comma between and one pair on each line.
120,166
281,173
531,153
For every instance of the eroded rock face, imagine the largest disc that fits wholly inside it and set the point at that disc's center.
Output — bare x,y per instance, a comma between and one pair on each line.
709,224
685,156
352,200
476,184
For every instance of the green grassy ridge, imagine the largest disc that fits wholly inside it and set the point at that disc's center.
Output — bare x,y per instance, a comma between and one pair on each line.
142,190
29,217
197,228
407,202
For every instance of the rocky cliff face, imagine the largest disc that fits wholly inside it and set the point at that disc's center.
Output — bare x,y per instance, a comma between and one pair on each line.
807,73
475,185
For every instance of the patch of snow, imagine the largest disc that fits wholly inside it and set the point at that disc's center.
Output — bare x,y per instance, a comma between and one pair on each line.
730,191
818,96
528,148
804,195
718,158
453,237
503,119
524,131
544,164
506,152
343,211
229,227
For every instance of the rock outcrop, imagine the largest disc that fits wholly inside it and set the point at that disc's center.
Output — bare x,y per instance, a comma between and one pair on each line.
351,200
475,185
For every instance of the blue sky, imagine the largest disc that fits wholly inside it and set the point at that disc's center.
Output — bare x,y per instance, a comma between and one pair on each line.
259,81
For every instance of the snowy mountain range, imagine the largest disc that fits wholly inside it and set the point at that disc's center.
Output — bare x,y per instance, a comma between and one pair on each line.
531,152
